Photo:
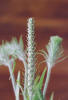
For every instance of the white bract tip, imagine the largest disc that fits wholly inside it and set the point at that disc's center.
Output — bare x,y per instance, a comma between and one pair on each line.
54,49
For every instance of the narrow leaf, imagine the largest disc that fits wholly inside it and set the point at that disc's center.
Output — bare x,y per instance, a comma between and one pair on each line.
40,84
36,80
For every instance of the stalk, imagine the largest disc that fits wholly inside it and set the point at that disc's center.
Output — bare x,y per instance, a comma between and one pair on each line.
31,57
46,82
12,78
15,86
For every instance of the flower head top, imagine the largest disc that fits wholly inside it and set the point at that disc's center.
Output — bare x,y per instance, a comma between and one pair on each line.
54,49
15,49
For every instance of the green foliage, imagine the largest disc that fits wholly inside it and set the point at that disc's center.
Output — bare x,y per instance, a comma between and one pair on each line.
36,80
40,84
38,95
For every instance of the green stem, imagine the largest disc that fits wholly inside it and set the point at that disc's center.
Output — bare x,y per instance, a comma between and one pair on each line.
46,82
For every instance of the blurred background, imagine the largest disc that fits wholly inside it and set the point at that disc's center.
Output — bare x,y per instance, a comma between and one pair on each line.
51,18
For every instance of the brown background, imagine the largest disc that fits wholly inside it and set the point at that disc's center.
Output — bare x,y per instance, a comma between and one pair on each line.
51,18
